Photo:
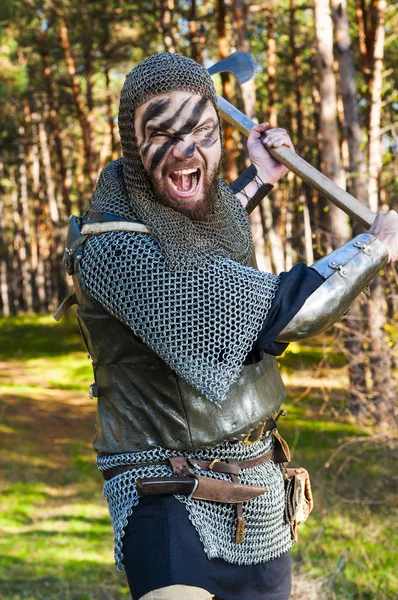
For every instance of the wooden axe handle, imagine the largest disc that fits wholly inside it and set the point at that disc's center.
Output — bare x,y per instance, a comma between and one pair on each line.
325,186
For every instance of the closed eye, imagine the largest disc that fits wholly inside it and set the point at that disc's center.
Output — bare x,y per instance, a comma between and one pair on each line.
159,134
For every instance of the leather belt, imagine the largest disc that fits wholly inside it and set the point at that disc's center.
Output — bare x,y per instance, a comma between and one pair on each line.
199,487
110,473
230,466
180,465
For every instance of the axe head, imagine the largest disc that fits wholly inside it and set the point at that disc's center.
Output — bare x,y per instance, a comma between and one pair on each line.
240,63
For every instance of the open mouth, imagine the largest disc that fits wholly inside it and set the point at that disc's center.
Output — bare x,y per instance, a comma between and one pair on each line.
184,181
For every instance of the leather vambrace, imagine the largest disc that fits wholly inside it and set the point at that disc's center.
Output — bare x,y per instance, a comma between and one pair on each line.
347,271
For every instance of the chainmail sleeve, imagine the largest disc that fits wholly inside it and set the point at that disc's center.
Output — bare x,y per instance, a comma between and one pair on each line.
201,322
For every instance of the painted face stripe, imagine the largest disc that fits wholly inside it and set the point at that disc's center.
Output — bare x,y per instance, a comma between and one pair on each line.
155,108
194,119
145,148
165,125
190,151
190,124
210,138
161,152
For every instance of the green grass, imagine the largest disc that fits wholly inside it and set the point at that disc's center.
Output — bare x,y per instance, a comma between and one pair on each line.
55,532
350,540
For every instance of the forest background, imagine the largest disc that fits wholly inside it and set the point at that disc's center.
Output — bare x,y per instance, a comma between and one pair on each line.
327,72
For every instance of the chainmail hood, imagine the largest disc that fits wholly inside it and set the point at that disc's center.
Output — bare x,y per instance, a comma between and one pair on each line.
186,243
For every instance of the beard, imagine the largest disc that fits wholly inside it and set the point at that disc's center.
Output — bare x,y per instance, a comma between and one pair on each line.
200,209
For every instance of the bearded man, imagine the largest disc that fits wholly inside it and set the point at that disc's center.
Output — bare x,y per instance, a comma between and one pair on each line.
183,334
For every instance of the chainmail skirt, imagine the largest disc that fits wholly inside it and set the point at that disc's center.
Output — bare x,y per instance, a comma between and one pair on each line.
267,535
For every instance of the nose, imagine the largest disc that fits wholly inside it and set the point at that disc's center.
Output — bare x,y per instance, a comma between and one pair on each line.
184,148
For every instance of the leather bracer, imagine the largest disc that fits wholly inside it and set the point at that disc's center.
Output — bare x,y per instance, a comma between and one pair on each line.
347,271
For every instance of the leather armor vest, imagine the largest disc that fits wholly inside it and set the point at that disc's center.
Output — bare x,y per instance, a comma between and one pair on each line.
143,403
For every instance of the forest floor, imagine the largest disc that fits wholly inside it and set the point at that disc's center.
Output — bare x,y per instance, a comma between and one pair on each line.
55,532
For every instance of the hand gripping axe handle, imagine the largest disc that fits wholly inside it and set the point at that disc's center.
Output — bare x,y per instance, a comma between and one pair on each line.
241,64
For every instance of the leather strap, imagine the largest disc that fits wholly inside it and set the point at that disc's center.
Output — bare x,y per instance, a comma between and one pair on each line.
200,488
230,467
64,306
180,465
111,473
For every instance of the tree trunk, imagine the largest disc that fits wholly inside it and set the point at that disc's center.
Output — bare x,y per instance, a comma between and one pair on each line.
88,70
361,15
25,247
304,195
381,354
166,9
85,124
248,88
109,113
339,228
272,204
275,244
298,79
381,359
271,65
354,322
352,128
80,177
48,82
4,291
40,303
224,51
375,151
196,53
17,279
259,237
48,174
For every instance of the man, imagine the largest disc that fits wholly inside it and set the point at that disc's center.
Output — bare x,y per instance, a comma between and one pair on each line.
183,334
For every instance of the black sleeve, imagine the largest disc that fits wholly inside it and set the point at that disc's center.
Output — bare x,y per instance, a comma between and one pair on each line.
294,288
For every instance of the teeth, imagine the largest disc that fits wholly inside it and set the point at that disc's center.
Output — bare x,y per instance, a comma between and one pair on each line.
185,171
184,180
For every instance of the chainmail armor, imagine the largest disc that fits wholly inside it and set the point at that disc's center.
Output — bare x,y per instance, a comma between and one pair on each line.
267,535
202,323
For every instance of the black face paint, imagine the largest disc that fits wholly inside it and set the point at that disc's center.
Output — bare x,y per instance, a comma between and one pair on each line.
145,148
210,139
156,108
194,119
159,106
165,125
190,151
161,152
189,125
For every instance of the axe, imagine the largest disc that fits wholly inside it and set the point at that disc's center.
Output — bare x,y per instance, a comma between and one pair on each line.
241,64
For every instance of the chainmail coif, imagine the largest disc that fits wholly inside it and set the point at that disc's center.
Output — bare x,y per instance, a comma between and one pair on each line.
185,243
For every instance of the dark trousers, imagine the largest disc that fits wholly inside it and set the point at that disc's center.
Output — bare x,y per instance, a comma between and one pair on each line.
161,548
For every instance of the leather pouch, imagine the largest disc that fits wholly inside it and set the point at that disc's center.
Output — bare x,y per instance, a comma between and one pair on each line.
281,448
298,498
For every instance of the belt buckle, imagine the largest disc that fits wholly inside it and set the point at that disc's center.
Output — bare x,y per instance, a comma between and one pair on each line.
260,431
213,462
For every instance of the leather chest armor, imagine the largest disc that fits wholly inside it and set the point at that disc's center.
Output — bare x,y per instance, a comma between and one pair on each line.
143,403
